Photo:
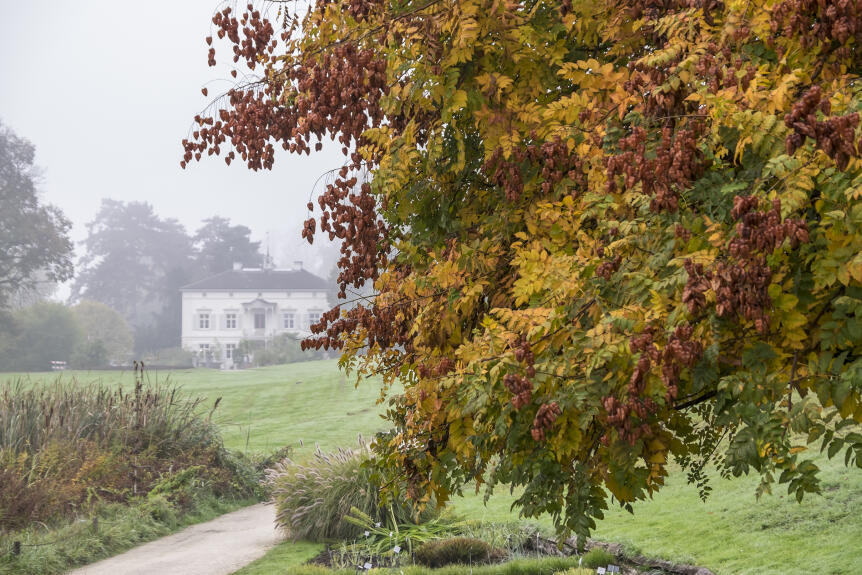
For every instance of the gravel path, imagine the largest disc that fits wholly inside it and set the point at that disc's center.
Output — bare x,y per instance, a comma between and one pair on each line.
217,547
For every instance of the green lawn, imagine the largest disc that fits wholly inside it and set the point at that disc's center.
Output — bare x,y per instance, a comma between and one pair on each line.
730,533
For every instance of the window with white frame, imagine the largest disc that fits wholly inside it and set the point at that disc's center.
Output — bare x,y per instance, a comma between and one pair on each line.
230,321
289,320
203,321
313,318
259,320
229,350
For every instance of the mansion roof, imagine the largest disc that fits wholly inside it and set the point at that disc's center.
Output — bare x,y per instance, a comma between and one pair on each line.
260,280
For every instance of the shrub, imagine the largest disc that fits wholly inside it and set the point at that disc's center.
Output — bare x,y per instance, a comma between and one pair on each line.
40,334
313,499
65,447
597,557
457,550
515,538
89,355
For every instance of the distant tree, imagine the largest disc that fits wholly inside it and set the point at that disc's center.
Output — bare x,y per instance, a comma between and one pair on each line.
90,354
34,237
8,333
102,324
220,245
40,334
134,264
39,288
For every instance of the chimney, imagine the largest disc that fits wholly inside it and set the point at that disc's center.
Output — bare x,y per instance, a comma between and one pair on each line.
237,266
297,265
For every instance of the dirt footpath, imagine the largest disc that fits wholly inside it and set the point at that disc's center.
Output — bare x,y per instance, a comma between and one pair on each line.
217,547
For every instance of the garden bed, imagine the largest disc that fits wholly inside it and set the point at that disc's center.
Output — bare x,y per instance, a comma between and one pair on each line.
333,498
88,470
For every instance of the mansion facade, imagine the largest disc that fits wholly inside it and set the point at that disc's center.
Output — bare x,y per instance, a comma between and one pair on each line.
250,305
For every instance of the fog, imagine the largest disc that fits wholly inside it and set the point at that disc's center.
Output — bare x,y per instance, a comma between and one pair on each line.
107,90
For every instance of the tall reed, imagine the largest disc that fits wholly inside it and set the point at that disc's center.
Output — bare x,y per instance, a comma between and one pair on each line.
152,417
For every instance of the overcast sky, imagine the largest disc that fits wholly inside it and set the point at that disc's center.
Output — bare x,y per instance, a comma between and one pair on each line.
107,90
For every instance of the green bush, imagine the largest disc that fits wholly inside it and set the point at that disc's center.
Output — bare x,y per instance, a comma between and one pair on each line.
313,499
37,335
455,551
597,557
89,355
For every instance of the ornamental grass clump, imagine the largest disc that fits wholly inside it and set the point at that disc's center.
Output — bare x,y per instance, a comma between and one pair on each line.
456,551
313,499
597,557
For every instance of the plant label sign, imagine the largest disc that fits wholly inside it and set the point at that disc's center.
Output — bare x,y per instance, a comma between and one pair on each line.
613,568
600,571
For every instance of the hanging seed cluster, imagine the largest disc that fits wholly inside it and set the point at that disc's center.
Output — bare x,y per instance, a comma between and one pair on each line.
659,101
720,70
544,420
521,389
305,98
677,163
630,416
553,157
608,268
835,136
835,26
741,281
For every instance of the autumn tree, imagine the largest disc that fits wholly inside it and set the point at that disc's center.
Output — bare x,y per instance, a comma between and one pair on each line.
603,235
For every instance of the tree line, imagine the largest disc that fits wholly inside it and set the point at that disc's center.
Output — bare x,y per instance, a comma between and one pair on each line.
125,290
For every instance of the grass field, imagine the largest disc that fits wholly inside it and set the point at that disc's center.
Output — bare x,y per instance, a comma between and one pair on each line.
731,533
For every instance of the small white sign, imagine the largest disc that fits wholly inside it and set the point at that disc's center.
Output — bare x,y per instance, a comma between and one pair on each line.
367,566
613,569
600,571
366,533
396,549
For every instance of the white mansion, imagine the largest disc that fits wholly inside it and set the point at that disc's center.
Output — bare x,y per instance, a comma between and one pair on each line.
251,304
